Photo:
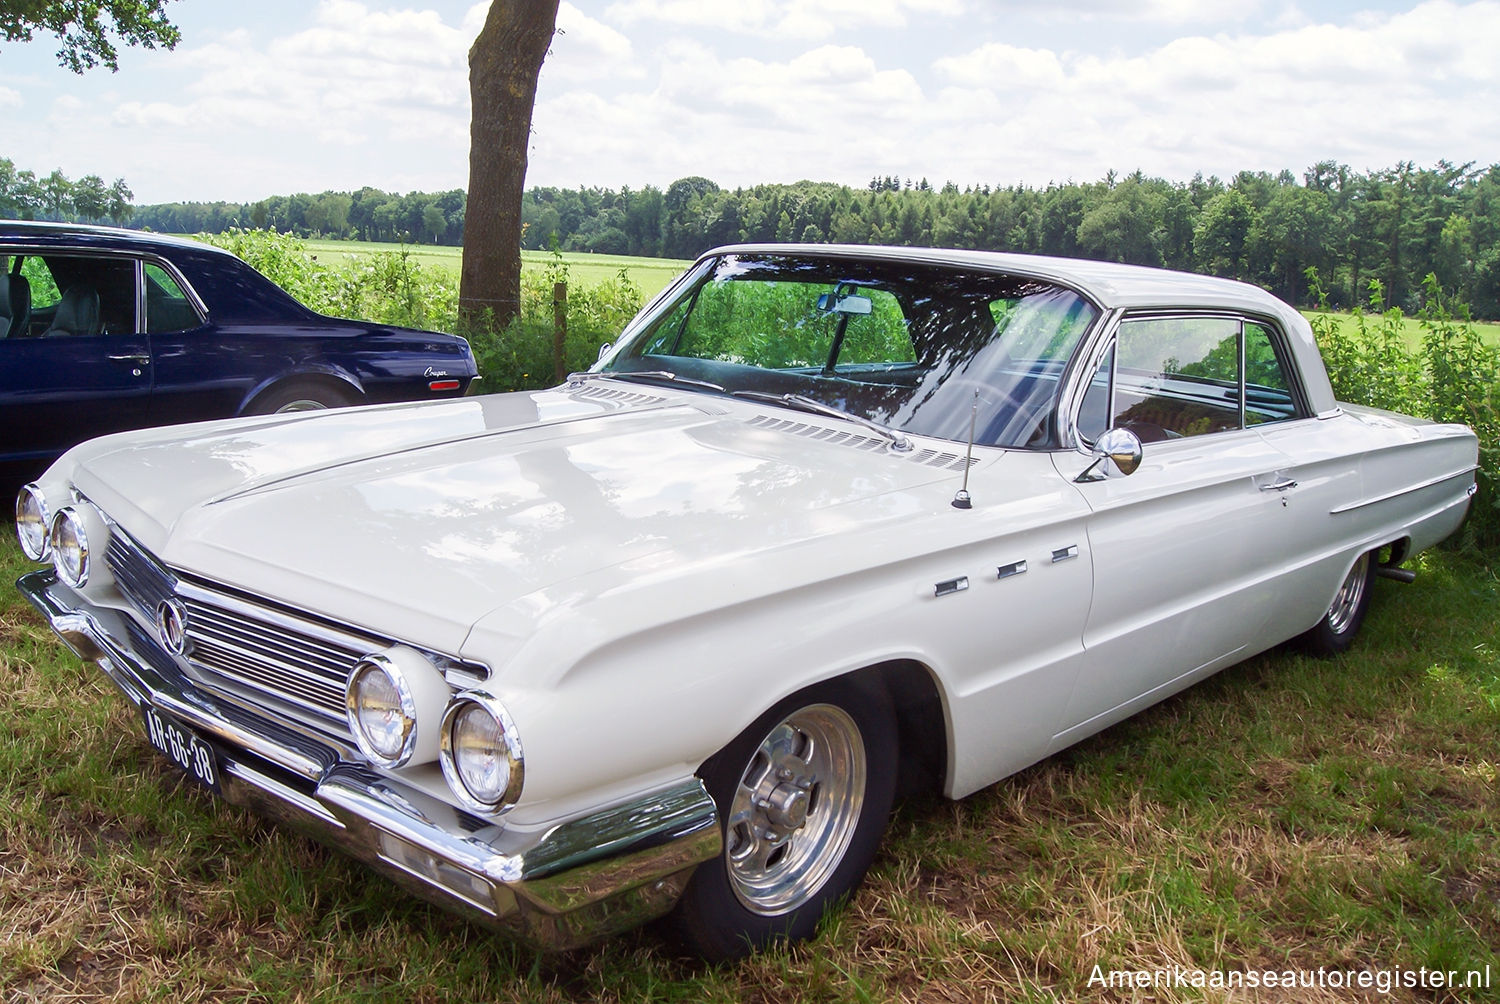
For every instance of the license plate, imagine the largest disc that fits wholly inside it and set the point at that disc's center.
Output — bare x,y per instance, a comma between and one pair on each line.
182,747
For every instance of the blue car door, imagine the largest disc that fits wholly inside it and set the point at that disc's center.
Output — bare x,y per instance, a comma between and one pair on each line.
82,368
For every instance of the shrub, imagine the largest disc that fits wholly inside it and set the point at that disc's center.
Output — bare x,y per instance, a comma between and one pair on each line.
520,357
391,287
1452,377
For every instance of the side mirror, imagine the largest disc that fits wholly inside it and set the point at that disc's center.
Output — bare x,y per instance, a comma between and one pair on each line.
1117,449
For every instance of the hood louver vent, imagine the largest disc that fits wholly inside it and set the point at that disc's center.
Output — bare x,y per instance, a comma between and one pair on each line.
928,458
614,394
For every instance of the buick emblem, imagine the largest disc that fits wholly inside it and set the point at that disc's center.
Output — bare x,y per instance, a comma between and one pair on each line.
171,626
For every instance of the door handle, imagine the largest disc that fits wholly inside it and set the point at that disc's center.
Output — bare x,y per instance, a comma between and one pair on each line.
139,359
1279,486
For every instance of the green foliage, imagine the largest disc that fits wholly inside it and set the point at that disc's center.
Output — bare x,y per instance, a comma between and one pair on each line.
778,325
24,196
284,259
87,40
1451,377
520,357
393,287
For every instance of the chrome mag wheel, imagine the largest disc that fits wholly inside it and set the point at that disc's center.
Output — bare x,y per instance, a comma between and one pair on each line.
795,809
1344,612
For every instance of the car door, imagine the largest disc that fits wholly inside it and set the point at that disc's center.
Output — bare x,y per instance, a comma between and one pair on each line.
1187,550
198,375
82,369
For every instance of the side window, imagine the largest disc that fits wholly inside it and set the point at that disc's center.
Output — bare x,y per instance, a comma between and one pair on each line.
1094,416
1169,378
81,295
167,306
1178,377
1268,392
44,291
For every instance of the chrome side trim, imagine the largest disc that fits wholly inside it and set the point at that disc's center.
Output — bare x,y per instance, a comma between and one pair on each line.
950,586
1014,568
584,878
1065,553
1350,507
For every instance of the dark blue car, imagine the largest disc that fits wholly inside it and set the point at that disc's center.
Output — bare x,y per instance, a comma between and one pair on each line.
103,330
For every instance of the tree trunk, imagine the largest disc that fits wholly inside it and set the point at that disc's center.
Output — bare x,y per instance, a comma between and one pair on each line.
503,67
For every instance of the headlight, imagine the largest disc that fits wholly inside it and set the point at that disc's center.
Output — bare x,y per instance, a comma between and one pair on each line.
32,522
69,544
388,696
482,753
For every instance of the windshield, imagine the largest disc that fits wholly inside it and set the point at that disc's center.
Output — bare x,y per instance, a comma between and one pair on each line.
902,344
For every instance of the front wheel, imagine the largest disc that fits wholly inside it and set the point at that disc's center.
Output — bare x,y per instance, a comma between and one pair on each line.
803,795
1335,632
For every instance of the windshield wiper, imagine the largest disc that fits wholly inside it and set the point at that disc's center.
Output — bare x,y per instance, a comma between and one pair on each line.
898,440
664,376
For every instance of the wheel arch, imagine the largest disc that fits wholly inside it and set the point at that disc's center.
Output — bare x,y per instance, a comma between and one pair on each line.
924,737
328,377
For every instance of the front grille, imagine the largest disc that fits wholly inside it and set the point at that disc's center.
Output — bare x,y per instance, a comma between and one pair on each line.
249,645
143,580
246,646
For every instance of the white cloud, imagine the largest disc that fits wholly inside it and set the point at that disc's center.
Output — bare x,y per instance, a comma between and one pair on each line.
794,19
1413,85
1158,11
646,91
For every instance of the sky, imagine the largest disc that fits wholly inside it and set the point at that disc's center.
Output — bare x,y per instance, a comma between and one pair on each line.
284,96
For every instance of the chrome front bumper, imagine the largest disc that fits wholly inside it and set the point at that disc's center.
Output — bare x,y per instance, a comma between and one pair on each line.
578,881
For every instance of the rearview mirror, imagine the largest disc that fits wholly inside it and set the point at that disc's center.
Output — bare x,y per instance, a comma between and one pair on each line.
832,303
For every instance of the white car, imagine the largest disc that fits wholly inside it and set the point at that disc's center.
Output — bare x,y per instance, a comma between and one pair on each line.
826,524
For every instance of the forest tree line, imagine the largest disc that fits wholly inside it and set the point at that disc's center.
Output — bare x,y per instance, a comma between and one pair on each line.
26,195
1395,226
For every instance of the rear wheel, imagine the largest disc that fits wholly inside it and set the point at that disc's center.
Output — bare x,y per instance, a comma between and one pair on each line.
1336,631
803,795
302,396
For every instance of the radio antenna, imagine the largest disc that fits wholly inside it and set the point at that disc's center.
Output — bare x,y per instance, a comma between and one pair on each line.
962,499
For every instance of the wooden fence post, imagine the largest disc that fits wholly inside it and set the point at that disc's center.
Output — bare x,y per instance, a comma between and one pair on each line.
559,328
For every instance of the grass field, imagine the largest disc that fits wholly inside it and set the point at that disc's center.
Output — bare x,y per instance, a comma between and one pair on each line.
651,274
1411,327
1290,813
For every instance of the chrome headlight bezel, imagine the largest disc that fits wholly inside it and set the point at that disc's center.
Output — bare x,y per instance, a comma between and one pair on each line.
68,542
34,523
506,790
421,695
354,698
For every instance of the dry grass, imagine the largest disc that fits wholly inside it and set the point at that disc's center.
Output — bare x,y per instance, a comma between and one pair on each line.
1290,813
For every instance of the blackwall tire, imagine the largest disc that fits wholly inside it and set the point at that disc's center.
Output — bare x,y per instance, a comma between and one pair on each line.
1341,622
804,794
301,396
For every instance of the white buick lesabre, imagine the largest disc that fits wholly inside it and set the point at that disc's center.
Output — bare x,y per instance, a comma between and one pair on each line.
825,524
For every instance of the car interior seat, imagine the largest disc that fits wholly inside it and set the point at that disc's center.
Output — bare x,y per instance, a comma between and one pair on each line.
15,305
77,313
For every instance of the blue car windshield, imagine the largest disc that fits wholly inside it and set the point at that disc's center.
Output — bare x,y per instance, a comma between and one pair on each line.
903,344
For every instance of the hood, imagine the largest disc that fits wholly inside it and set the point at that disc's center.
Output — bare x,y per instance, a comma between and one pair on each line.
417,520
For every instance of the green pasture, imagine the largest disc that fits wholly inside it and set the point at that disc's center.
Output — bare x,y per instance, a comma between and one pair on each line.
1410,327
651,274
